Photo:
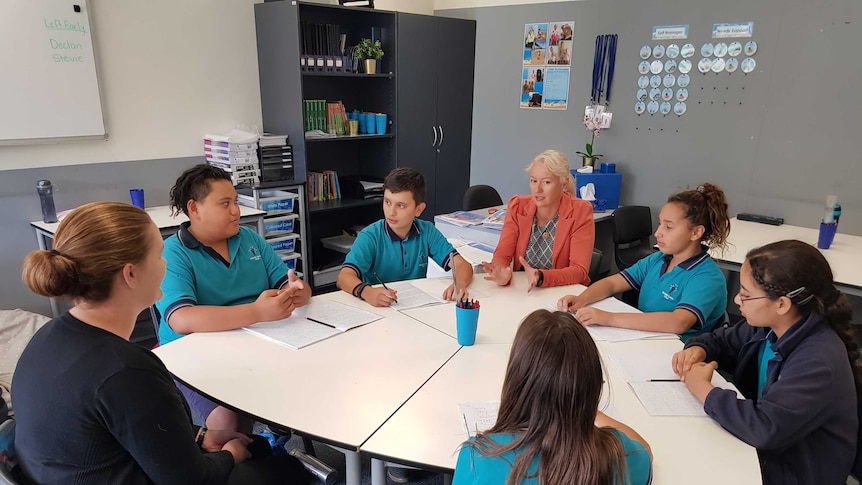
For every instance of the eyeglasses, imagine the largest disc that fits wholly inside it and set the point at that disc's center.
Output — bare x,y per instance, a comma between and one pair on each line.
743,300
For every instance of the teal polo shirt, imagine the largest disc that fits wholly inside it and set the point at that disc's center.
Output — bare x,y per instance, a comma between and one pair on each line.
696,285
379,251
198,275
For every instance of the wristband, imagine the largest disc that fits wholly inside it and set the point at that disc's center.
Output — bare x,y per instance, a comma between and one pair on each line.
541,278
200,438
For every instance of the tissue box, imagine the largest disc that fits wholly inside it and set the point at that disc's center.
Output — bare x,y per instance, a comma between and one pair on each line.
607,186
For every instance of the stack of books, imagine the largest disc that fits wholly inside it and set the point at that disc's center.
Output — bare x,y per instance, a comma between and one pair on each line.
235,153
314,114
323,186
276,158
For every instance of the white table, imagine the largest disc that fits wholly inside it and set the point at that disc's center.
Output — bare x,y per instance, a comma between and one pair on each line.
390,388
844,255
428,430
339,390
161,216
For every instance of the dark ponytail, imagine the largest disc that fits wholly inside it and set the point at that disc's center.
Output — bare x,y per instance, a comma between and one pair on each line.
194,184
800,272
706,206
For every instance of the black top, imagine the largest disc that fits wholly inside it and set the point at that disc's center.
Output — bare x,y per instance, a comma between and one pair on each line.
92,407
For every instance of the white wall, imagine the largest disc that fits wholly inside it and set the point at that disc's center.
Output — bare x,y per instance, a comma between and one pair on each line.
445,4
169,72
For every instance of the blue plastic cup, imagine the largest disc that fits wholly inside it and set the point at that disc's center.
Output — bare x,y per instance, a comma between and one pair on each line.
137,196
467,321
826,235
369,123
381,124
603,168
612,167
363,129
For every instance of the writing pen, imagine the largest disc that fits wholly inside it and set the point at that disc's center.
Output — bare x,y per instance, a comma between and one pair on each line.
466,426
664,380
384,285
318,321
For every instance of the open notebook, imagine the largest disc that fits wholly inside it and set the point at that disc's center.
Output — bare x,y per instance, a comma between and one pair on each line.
312,323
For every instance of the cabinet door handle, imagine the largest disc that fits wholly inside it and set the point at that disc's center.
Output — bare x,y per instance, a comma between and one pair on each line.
441,136
435,135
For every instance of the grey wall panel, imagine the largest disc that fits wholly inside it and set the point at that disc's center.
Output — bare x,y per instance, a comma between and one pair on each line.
76,185
777,140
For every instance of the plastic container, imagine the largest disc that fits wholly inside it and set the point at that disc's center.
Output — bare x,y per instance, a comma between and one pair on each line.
284,244
279,225
290,259
607,186
342,244
272,201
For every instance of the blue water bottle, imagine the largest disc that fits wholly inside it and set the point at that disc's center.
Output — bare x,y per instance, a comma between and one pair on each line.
46,197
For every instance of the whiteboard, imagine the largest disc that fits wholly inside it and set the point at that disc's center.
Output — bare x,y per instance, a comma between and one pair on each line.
49,89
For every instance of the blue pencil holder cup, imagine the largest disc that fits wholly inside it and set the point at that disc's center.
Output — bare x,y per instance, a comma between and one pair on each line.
467,321
362,128
369,123
381,123
826,235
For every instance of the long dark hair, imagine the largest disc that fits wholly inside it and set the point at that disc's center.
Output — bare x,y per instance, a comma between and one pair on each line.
706,206
550,396
194,184
800,272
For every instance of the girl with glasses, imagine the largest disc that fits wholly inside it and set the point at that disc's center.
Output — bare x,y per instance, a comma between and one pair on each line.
796,362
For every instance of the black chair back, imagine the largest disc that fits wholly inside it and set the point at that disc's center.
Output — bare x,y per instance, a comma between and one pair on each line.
632,231
480,197
595,265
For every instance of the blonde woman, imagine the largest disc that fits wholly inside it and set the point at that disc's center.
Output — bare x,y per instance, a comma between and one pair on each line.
549,234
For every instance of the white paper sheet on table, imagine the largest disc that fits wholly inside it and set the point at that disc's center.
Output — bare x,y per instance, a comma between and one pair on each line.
642,367
615,334
409,296
478,416
297,331
673,398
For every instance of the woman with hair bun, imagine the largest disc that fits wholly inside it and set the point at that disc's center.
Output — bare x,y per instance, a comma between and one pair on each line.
549,233
682,290
92,407
796,361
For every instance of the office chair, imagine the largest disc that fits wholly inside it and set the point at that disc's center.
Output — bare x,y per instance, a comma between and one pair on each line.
479,197
632,231
7,453
595,265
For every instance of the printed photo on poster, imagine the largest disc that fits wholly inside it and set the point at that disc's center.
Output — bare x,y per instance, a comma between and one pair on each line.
560,42
556,88
535,43
532,87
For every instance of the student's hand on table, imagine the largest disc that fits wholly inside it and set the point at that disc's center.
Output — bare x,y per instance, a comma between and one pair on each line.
237,448
698,379
215,439
501,275
532,274
379,296
684,359
274,305
449,293
591,316
301,293
569,303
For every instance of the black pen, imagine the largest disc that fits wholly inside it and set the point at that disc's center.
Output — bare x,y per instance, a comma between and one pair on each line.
664,380
318,321
384,285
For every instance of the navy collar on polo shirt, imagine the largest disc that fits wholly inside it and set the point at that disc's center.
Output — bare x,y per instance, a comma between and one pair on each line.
414,231
188,240
688,263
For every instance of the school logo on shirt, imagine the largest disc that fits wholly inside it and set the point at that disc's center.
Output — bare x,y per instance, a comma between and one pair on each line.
423,259
254,255
670,289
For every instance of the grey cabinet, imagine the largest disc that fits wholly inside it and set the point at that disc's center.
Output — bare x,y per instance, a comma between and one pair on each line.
435,104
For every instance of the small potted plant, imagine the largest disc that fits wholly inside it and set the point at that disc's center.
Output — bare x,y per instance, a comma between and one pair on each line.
370,52
593,125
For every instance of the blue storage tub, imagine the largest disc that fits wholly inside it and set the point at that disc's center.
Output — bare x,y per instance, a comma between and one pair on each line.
607,186
284,244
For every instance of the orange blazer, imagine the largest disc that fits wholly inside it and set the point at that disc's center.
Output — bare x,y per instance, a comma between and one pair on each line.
573,240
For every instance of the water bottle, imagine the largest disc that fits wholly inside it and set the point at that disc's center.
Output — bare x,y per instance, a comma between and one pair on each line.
46,197
322,471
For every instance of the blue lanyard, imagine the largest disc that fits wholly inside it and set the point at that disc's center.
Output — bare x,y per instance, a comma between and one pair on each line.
603,68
